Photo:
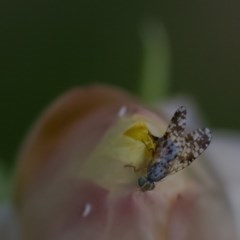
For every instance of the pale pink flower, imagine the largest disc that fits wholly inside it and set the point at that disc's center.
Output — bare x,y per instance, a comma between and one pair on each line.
71,183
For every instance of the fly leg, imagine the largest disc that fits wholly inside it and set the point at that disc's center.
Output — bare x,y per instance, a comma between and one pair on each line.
135,169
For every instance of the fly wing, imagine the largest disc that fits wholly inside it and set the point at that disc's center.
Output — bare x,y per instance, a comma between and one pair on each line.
195,144
177,124
172,142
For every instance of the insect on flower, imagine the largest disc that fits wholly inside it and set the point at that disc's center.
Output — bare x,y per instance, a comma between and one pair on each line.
174,150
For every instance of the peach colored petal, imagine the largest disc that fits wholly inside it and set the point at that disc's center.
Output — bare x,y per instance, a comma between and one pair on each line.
84,106
199,215
69,209
69,185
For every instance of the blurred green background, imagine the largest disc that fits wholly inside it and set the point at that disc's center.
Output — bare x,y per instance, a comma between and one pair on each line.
49,46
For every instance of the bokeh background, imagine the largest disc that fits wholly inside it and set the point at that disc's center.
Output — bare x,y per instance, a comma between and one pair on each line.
49,46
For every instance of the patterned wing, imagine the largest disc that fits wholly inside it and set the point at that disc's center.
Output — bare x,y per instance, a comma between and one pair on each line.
172,142
174,133
195,144
177,124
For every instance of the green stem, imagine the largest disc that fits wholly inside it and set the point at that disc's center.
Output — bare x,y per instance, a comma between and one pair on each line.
155,82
